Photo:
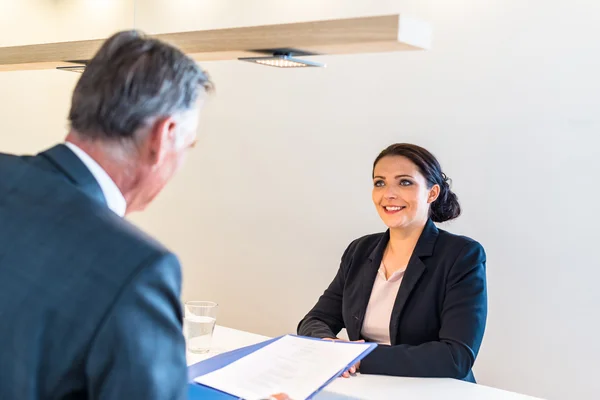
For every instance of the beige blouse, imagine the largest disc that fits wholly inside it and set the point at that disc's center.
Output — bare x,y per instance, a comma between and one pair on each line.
376,326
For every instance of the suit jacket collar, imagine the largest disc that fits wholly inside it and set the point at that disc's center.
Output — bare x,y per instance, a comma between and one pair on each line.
424,246
68,164
415,269
426,242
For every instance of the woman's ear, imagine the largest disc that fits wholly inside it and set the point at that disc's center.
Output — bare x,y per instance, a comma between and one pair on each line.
434,193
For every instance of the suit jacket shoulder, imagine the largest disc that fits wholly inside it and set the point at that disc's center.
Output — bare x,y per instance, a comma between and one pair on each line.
66,259
363,246
453,246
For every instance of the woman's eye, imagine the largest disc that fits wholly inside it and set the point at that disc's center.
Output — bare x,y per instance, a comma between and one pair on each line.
405,182
378,183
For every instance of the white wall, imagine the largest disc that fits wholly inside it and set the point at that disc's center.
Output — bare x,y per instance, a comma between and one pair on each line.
508,100
92,19
24,22
27,21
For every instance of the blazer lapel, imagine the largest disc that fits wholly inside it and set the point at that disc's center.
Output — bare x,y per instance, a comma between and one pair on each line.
369,272
413,273
67,163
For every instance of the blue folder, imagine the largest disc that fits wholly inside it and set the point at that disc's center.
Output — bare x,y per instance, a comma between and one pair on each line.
198,391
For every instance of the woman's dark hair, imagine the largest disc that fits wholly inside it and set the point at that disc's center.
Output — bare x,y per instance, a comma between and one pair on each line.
446,206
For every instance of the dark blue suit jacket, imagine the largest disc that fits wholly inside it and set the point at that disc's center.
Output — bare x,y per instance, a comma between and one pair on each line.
439,315
89,305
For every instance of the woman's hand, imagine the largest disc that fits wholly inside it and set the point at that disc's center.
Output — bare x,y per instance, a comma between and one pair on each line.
353,368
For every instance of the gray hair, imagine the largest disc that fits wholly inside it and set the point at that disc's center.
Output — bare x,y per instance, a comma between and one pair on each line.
130,80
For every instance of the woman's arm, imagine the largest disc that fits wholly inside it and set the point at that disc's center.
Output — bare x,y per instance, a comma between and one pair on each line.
325,320
463,320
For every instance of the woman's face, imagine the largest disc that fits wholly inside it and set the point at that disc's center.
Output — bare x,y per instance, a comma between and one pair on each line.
400,192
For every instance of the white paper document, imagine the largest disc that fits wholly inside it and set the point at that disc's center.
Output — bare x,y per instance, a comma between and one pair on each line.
292,365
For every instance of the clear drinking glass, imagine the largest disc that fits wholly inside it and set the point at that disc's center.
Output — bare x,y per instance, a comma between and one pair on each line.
200,319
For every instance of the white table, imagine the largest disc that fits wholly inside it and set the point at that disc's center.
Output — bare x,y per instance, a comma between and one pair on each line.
369,387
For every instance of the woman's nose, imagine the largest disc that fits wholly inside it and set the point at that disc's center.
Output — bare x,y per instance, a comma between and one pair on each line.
389,193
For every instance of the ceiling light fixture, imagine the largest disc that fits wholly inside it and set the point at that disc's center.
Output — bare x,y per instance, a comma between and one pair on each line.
74,68
283,59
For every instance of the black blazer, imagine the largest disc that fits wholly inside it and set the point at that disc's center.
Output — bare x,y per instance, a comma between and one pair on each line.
439,316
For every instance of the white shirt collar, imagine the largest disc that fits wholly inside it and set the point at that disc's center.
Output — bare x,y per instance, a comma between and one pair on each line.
114,198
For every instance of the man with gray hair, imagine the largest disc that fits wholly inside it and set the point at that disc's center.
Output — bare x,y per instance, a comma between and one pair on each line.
89,305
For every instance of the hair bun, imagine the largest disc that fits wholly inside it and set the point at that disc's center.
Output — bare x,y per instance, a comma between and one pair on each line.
446,206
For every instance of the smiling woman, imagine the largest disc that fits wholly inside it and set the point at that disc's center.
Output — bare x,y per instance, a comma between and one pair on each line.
408,177
418,291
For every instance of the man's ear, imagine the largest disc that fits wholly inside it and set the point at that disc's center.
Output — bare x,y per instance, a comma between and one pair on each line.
434,193
161,139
